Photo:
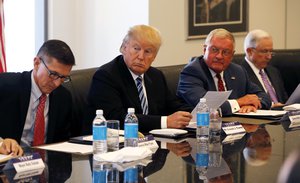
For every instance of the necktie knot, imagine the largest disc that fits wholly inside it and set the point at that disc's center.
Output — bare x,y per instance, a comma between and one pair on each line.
43,98
139,79
261,72
220,82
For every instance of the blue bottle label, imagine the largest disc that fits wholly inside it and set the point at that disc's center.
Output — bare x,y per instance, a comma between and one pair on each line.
131,175
99,176
202,159
99,132
203,119
131,130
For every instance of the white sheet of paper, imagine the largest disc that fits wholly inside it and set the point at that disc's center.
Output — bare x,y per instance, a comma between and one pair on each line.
69,148
4,158
90,138
214,99
263,113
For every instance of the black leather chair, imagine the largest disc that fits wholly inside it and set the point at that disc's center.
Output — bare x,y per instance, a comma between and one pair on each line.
287,61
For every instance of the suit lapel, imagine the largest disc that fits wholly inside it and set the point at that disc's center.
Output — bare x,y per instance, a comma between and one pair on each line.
210,82
25,91
52,115
229,79
149,90
131,89
252,75
272,79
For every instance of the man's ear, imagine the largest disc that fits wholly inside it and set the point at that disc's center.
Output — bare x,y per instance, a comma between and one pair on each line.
249,51
36,62
204,49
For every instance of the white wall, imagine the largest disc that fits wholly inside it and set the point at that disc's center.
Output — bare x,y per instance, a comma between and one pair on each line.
170,17
94,28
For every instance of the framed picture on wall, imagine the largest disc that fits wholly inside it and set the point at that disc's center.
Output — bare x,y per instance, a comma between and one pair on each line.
206,15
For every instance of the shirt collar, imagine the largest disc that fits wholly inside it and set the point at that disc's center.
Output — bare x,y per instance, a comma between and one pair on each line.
35,91
134,76
213,73
253,67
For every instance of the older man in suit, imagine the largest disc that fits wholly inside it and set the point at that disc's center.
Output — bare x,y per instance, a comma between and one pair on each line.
258,46
214,72
115,86
34,107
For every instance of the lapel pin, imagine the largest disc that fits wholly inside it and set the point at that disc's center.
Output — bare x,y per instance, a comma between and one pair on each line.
233,78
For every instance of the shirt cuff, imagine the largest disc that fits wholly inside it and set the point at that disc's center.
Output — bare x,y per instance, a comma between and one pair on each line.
163,122
234,105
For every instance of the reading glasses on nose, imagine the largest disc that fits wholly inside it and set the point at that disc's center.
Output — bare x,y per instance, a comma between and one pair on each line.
54,75
264,52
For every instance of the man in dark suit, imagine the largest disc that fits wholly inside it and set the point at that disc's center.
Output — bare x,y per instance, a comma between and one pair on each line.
258,47
21,93
214,72
114,86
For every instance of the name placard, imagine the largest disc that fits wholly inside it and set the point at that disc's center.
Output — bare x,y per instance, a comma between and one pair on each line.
28,176
231,138
294,117
25,163
148,141
233,128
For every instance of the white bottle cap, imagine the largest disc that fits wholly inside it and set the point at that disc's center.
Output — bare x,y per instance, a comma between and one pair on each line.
202,99
99,112
131,110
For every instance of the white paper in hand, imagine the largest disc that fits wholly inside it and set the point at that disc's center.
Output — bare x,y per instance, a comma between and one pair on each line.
126,154
214,99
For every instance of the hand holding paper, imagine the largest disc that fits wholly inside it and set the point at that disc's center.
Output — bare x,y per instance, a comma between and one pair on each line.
214,99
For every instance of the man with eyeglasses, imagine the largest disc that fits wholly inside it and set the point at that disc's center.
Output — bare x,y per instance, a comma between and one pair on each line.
258,46
214,72
130,81
34,108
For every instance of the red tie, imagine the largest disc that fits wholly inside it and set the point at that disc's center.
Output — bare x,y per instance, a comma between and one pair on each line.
39,125
220,83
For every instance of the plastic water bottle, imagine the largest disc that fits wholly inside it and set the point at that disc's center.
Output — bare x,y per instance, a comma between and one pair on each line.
202,121
131,129
215,151
99,133
99,172
131,175
202,159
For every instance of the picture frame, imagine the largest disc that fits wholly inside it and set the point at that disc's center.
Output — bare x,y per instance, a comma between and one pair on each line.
206,15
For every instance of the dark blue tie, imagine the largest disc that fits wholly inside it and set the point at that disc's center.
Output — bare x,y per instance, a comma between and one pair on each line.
142,97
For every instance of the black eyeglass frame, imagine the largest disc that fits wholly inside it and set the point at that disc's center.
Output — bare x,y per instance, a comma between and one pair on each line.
54,75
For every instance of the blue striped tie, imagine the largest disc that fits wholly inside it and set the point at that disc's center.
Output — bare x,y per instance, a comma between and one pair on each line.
142,97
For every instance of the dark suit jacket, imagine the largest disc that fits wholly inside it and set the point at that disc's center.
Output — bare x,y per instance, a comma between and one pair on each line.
275,78
195,80
113,90
15,90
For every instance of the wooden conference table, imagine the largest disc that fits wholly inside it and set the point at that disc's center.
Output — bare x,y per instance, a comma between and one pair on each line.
269,146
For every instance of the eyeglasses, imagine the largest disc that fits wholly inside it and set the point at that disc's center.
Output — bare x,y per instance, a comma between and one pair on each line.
264,52
54,75
224,52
